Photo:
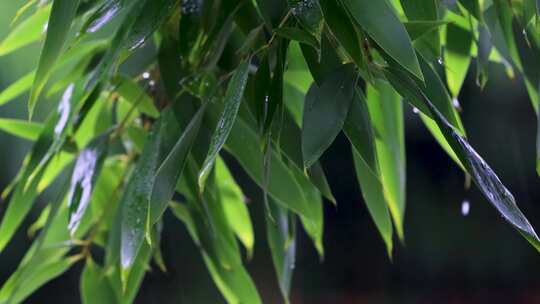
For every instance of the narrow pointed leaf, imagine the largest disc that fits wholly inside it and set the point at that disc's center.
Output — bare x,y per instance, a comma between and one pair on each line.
483,176
234,206
379,20
95,286
280,231
325,112
232,100
21,128
28,31
386,112
62,15
171,168
359,130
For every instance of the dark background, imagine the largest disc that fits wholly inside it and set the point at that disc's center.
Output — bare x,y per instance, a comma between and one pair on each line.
446,258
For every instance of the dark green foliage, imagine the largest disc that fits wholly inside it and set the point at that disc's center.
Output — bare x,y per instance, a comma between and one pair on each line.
270,83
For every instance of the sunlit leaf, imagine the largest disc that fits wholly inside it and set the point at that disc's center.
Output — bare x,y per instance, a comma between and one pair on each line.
62,14
28,31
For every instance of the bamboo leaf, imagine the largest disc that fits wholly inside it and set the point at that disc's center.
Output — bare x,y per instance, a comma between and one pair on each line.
28,31
21,128
232,100
381,23
359,129
386,112
482,174
325,112
95,286
281,234
171,168
62,15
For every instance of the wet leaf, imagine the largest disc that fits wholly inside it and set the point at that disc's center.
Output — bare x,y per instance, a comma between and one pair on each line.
482,174
381,23
171,168
102,15
281,234
308,13
233,98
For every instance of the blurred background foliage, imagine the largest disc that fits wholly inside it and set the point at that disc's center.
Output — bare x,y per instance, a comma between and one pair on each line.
447,257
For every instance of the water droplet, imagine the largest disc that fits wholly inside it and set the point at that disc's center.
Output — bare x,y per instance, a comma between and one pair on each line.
465,207
151,83
455,103
146,75
440,60
415,110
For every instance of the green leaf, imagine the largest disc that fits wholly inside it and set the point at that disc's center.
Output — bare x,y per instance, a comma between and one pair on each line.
25,83
297,34
62,15
281,235
232,100
457,57
43,274
309,15
95,286
343,29
386,112
325,112
233,281
135,94
28,31
483,176
136,198
379,20
234,206
417,29
359,129
49,143
21,128
243,143
102,15
171,168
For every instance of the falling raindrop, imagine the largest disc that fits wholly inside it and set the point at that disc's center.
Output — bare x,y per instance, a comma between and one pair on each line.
465,207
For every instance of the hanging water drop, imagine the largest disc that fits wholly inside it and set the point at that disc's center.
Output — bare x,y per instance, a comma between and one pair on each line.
146,75
465,207
415,110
